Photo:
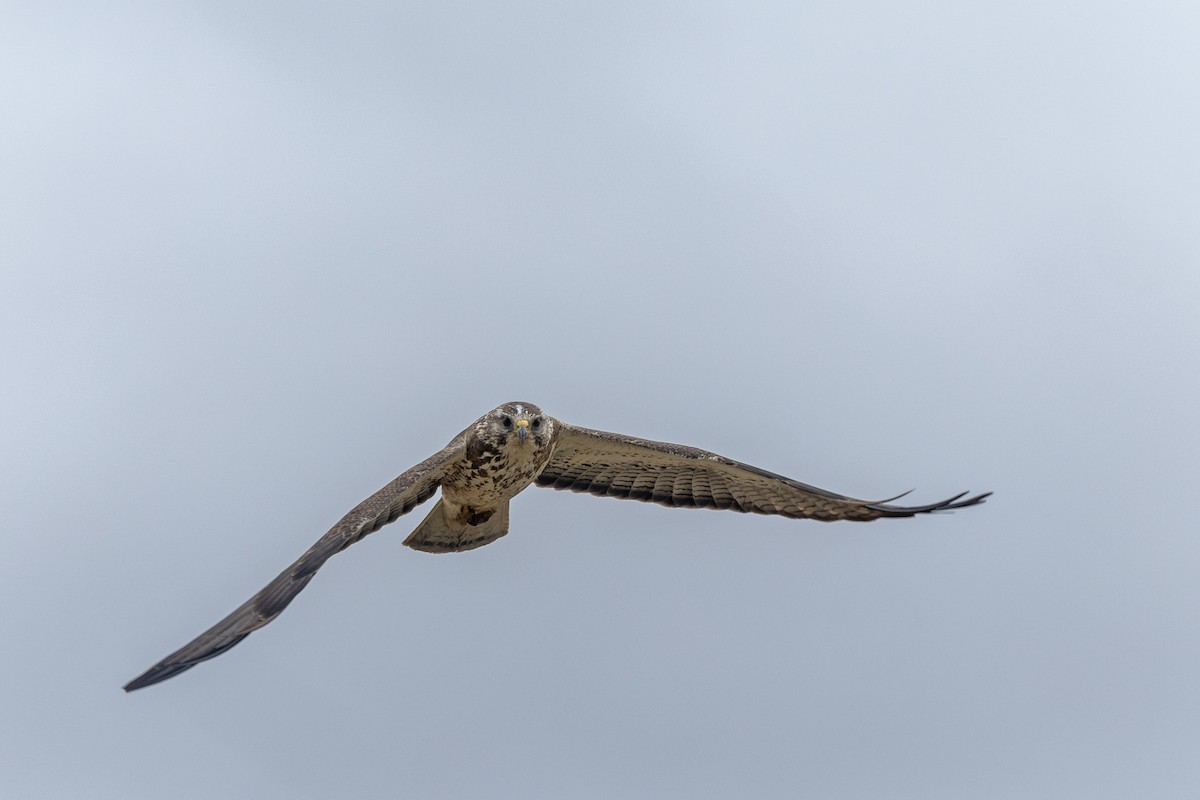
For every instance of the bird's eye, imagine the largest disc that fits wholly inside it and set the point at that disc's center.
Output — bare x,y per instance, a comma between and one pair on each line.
506,421
537,423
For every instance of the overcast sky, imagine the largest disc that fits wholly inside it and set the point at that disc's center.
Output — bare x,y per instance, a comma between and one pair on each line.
260,258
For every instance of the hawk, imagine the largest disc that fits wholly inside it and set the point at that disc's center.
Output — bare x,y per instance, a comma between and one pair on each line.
497,457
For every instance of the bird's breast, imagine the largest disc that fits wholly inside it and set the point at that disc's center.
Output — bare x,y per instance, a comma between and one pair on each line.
490,475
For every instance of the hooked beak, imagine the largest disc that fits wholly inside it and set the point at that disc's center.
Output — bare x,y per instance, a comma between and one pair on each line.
522,430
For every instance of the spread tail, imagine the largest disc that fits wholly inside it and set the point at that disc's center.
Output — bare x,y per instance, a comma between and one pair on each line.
437,534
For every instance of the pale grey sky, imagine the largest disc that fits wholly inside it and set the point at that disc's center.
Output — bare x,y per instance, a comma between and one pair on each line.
258,259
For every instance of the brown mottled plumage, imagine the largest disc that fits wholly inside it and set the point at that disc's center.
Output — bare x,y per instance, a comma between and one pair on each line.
494,459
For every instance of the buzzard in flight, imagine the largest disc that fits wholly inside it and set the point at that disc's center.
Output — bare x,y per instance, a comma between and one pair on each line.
499,455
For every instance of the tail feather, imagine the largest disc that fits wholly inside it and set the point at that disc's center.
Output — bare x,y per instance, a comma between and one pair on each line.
437,534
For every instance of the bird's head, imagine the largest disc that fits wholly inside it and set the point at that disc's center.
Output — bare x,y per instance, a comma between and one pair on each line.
518,424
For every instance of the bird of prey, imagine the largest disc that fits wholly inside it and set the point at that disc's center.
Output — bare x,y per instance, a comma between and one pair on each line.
501,454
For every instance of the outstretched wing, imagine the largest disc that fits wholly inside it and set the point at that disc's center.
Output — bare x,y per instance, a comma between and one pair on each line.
402,495
612,465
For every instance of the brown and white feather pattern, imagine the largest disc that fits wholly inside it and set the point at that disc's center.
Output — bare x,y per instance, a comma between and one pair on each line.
614,465
499,456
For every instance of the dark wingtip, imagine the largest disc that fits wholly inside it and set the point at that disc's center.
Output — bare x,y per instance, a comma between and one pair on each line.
156,674
169,668
970,501
949,504
974,501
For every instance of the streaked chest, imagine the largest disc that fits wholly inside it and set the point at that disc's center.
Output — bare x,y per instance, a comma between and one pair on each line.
489,474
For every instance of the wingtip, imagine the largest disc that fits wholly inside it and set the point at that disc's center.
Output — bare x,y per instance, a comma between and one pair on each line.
156,674
177,662
949,504
972,501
